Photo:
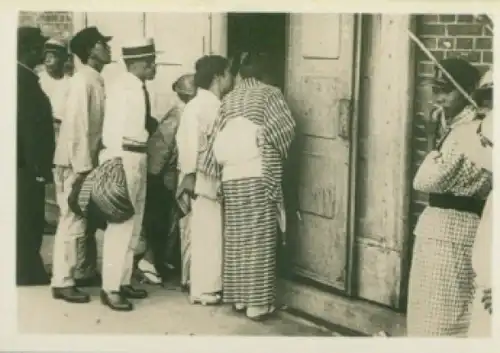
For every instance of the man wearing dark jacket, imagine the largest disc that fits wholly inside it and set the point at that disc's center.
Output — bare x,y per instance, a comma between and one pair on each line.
35,151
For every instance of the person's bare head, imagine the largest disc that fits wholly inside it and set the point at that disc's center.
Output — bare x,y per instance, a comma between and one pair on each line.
185,87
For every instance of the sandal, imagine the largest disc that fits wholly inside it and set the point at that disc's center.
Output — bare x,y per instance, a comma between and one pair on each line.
148,272
206,299
261,317
239,308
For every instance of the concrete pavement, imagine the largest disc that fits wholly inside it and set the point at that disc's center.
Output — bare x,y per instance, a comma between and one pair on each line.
166,312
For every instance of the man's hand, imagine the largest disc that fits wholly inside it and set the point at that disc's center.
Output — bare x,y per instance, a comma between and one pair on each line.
487,300
187,185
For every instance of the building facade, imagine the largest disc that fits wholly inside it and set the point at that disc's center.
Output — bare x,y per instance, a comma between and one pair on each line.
354,84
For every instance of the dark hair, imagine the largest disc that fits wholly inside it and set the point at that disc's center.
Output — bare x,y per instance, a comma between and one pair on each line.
207,68
256,65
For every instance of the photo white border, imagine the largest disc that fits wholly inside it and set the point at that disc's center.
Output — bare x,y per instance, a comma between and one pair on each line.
11,341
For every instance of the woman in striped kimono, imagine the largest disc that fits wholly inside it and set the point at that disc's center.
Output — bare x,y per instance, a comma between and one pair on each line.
256,116
441,279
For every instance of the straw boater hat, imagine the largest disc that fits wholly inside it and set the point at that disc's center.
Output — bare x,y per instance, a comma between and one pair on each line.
141,48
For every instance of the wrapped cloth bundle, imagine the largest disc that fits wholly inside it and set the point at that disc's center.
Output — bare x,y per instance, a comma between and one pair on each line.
105,187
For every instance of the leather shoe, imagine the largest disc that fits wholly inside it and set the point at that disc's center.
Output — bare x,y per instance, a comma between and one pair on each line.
116,301
133,293
70,294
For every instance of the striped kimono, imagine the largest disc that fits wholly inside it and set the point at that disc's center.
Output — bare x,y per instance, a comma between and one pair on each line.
442,279
251,203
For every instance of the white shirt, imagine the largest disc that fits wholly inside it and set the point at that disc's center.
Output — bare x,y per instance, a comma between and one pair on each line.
125,116
192,136
81,129
196,124
57,90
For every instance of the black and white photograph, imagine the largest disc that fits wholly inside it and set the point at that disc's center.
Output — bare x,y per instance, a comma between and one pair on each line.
254,174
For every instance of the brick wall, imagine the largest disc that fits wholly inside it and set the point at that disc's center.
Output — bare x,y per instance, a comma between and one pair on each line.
53,24
446,36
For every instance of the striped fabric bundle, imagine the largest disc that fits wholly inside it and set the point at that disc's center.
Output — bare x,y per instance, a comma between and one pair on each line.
106,187
110,192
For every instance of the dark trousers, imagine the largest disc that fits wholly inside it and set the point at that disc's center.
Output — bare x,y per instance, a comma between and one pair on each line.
30,225
158,217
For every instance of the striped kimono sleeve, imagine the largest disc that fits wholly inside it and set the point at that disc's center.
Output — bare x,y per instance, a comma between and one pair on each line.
278,132
209,165
279,126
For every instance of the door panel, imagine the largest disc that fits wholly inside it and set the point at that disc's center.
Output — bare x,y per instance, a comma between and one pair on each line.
122,26
319,90
181,46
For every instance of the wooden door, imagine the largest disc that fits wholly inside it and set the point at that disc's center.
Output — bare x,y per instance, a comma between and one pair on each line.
319,90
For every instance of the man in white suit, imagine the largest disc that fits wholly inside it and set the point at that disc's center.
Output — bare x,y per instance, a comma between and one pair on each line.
127,126
76,155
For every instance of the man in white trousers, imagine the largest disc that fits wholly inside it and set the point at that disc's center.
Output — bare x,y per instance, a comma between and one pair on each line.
213,80
76,155
127,126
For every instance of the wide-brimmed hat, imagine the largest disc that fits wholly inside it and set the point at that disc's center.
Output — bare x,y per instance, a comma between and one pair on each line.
140,48
463,72
486,81
30,36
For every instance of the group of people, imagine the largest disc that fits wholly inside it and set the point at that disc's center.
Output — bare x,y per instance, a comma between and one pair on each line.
450,277
213,166
210,171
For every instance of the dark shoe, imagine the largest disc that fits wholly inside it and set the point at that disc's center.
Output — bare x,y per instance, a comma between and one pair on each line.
70,294
95,281
133,293
116,301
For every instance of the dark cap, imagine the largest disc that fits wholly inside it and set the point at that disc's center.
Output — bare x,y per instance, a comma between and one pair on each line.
84,41
30,36
466,75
